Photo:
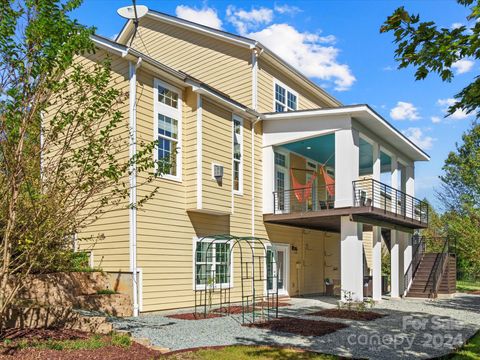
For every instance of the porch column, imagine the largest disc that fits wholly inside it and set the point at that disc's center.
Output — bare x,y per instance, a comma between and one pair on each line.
377,264
407,256
351,258
268,159
346,165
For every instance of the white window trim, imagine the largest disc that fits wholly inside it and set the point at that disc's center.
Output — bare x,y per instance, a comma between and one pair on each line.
240,180
287,90
160,108
213,263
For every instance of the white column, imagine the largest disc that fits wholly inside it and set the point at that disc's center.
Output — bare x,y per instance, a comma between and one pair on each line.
407,255
346,165
377,263
376,172
351,258
410,179
394,181
268,156
395,265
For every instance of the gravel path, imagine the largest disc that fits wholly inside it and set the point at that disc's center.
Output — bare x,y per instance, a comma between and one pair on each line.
413,329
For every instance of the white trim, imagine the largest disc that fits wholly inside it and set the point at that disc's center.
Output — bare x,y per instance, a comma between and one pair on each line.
287,90
286,279
241,141
140,288
109,45
133,180
159,108
213,263
199,152
254,79
352,111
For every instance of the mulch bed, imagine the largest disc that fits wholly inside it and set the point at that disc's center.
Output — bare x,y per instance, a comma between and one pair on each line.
194,316
237,309
300,326
134,352
474,292
9,352
348,314
43,334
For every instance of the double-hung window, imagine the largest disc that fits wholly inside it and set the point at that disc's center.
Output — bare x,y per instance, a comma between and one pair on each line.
237,154
285,98
213,264
168,122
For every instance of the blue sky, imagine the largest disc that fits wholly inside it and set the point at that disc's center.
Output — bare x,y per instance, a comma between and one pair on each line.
338,45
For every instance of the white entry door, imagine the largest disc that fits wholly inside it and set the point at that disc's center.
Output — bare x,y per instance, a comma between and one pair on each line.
278,268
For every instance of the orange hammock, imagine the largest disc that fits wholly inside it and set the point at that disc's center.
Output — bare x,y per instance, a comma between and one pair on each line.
303,192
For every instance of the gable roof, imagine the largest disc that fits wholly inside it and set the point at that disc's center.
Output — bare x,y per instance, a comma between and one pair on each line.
197,85
234,39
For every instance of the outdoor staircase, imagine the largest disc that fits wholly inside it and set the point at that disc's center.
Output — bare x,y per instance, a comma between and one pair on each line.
435,275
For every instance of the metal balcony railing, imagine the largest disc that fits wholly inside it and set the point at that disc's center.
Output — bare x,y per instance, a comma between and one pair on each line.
374,194
314,198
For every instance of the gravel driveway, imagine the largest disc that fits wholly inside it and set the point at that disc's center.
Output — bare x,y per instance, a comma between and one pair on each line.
413,329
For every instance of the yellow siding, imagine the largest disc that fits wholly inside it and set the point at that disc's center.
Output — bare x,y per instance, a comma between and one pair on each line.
111,250
213,61
314,256
266,76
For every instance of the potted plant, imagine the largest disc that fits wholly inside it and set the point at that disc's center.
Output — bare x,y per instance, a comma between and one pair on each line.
329,287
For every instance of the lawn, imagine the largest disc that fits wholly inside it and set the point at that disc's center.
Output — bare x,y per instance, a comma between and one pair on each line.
467,286
248,352
470,351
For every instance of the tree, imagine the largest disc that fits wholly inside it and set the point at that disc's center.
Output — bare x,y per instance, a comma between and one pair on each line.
432,50
63,141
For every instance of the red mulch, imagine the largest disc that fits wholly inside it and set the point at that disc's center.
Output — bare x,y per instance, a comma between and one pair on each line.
474,292
43,334
9,352
237,309
349,314
194,316
300,326
134,352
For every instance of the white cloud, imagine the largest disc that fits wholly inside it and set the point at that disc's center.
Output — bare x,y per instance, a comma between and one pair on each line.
456,25
205,16
287,9
307,52
459,114
416,135
388,68
404,111
463,66
245,21
436,119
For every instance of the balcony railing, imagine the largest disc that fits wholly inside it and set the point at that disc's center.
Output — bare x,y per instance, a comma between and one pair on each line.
305,199
374,194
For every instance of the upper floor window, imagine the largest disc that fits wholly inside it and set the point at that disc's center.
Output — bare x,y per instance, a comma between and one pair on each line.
237,154
168,118
285,98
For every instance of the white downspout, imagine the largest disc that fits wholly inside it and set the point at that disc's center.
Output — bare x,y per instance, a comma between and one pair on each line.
199,152
254,106
133,181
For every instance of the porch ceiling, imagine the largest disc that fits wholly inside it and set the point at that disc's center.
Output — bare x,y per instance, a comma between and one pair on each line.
329,219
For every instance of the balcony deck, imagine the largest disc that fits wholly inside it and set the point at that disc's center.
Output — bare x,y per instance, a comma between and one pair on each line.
375,203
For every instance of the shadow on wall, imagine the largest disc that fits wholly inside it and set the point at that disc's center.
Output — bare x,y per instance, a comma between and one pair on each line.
208,224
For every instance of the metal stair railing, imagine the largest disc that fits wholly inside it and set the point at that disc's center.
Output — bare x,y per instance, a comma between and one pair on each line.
418,250
438,270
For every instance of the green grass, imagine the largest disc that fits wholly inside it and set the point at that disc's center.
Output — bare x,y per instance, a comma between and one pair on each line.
470,351
92,343
249,352
466,285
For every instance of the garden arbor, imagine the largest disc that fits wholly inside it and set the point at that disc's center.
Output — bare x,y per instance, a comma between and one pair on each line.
236,275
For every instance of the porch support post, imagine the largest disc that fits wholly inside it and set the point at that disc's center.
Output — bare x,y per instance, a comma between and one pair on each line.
268,157
395,265
346,165
407,255
351,259
377,264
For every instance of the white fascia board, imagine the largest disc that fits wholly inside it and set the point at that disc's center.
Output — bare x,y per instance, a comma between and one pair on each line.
352,111
102,43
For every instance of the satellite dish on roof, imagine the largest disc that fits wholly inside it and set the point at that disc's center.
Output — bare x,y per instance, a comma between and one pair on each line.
133,12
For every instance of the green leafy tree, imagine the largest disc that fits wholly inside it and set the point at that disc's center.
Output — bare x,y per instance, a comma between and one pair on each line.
62,140
430,49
